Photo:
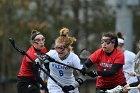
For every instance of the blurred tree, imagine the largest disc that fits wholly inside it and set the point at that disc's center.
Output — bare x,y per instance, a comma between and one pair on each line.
6,26
19,17
136,28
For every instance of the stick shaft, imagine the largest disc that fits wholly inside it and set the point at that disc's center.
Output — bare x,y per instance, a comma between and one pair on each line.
132,87
24,53
48,57
45,71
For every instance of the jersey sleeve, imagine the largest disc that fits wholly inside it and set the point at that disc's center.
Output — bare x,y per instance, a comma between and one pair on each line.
130,59
94,56
77,62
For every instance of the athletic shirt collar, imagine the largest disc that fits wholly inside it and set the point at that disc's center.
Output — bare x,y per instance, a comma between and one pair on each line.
110,52
39,52
63,58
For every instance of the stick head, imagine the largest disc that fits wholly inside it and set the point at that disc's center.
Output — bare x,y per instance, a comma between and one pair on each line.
84,54
12,41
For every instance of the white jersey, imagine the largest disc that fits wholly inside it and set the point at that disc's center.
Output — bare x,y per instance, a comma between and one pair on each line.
129,61
137,64
63,74
129,67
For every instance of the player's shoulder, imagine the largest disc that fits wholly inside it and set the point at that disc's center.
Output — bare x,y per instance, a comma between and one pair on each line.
99,50
31,51
51,52
73,55
118,52
127,52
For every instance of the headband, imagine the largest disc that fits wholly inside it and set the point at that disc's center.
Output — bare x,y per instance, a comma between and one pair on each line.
120,41
34,35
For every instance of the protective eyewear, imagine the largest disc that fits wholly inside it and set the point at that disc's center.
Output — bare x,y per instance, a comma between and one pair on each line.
60,47
107,41
38,40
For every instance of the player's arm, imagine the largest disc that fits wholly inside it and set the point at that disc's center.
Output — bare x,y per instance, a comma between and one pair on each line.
88,63
134,84
34,68
114,70
79,81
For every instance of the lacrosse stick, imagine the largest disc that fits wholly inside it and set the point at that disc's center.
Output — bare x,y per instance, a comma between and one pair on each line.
119,89
47,57
43,58
132,87
12,41
84,53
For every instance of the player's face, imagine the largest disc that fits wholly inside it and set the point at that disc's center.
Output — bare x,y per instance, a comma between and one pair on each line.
61,49
39,42
107,44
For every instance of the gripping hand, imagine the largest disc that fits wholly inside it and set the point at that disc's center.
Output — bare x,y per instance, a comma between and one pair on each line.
84,70
66,89
43,58
46,57
92,74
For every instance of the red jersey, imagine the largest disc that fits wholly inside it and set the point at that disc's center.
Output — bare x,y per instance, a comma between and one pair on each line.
105,62
25,69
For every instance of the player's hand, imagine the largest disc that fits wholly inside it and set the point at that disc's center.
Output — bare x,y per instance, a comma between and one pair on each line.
139,86
92,74
47,57
132,74
37,61
84,70
125,88
37,65
42,59
80,81
68,88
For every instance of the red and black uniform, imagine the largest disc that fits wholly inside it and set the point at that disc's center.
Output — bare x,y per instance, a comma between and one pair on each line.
110,69
105,62
28,76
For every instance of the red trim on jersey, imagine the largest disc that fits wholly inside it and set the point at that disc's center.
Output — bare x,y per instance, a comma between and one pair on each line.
25,69
105,62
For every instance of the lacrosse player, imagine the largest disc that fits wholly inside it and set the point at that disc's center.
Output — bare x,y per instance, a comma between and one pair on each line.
128,68
63,53
28,76
109,61
137,72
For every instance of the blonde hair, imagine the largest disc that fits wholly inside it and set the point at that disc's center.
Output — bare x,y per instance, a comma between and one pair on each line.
65,38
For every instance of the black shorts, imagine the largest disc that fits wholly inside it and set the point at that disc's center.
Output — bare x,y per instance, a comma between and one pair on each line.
26,85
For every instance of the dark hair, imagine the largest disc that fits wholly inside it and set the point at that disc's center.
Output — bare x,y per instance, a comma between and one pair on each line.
112,36
119,35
